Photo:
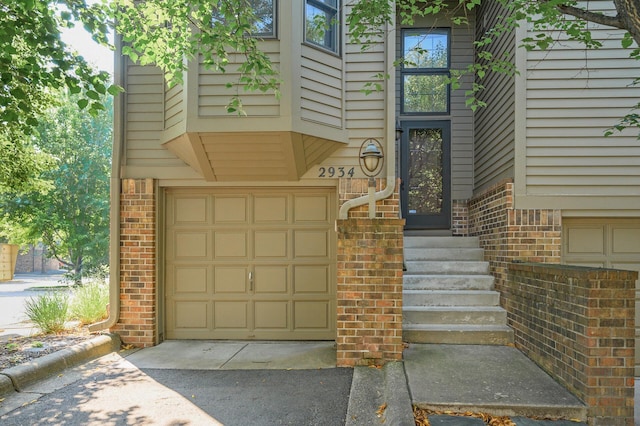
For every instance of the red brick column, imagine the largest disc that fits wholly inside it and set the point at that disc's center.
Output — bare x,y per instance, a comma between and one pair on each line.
369,305
137,323
577,323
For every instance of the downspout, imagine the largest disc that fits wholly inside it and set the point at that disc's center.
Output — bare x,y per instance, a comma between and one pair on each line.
390,139
113,307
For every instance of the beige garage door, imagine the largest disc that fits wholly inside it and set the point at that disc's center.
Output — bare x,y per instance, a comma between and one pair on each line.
610,243
250,264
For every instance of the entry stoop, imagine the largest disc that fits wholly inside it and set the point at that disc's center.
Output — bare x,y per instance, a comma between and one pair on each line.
449,295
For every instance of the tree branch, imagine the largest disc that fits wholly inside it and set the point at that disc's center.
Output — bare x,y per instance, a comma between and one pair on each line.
598,18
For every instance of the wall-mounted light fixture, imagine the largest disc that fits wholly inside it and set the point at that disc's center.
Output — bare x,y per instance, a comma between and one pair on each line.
399,130
371,160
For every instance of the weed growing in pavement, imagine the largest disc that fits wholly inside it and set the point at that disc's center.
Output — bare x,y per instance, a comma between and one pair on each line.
48,311
37,344
11,347
89,301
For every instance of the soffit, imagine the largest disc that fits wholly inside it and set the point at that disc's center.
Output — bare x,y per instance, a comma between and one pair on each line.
251,156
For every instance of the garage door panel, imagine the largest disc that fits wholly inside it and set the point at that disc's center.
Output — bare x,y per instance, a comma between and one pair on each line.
586,240
191,245
231,209
231,244
311,279
625,240
231,314
312,315
312,208
272,315
271,209
271,279
231,279
251,264
311,243
191,314
271,244
189,279
190,210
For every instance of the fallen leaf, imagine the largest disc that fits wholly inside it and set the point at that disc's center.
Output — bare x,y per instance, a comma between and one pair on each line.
380,411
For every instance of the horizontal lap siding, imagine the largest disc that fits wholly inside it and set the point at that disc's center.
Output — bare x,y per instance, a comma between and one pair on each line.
214,95
173,106
573,96
145,118
461,116
321,91
365,113
495,124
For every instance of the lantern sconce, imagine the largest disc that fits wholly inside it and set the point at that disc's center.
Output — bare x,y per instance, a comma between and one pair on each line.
371,160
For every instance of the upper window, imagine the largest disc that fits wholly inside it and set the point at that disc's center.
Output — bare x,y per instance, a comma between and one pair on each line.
425,71
322,23
265,17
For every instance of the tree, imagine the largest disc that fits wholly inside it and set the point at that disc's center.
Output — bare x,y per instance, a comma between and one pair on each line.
34,64
71,215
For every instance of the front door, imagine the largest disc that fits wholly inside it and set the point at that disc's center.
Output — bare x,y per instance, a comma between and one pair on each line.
425,170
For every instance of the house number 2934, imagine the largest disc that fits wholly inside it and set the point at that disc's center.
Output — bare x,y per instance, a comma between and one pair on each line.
335,172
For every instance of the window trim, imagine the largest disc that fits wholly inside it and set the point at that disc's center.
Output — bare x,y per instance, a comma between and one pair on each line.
273,34
335,29
405,71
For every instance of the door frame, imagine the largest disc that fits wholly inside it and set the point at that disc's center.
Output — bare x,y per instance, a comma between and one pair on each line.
443,220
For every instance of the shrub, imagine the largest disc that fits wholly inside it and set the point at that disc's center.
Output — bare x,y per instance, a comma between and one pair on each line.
48,311
89,301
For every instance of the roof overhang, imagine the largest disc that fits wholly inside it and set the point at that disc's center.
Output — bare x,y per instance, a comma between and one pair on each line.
251,156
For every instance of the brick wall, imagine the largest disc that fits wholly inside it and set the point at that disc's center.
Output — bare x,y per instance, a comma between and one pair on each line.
509,234
354,188
369,291
577,323
35,260
137,322
460,218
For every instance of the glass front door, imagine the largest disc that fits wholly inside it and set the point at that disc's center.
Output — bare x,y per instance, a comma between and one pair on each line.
426,174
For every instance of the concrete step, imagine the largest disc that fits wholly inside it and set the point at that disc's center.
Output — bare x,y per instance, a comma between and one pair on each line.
486,315
450,298
440,267
440,242
457,334
449,254
448,282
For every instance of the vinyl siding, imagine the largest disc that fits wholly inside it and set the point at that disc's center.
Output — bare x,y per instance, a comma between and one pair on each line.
573,95
321,96
173,106
494,124
462,175
365,113
144,120
214,94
